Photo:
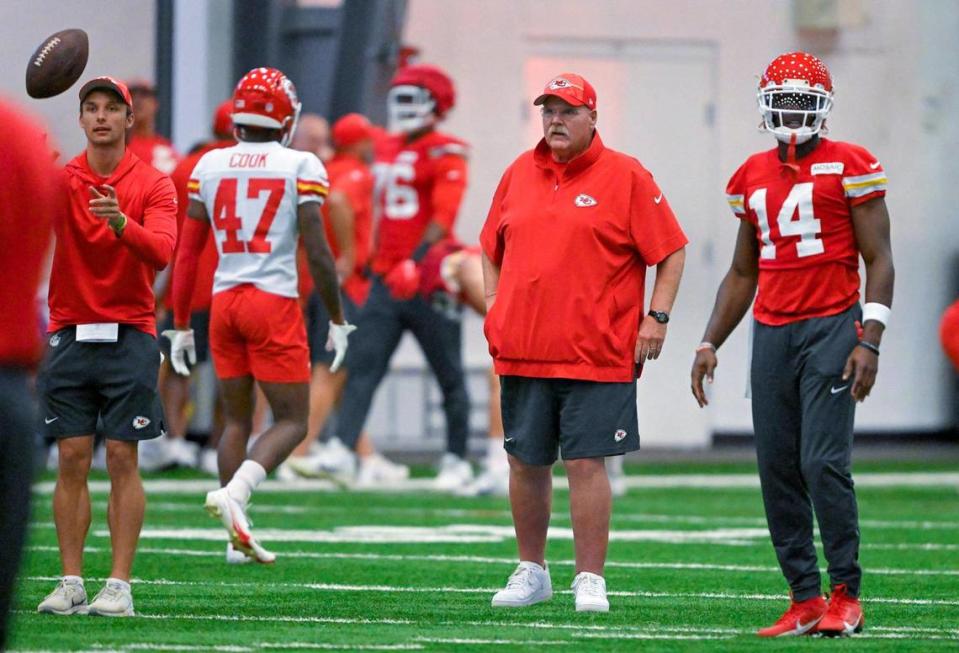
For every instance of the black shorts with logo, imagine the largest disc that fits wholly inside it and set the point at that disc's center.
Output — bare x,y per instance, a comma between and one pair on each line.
115,381
580,419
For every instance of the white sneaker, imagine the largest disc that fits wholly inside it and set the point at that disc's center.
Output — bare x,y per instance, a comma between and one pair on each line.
68,597
376,470
454,473
590,592
155,455
53,458
617,477
492,482
336,462
528,585
234,557
183,453
114,600
285,472
228,510
208,462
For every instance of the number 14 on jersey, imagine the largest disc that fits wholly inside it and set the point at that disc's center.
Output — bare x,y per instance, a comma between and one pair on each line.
807,227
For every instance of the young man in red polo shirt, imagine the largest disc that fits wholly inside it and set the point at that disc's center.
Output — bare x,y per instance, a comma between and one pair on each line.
26,171
567,327
103,356
807,208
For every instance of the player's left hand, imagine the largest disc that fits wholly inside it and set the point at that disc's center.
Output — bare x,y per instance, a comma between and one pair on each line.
403,280
338,341
104,205
861,366
652,334
182,349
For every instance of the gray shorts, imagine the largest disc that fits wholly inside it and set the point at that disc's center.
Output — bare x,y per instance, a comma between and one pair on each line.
578,419
80,382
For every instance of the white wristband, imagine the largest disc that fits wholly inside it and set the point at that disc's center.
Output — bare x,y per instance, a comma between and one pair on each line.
876,311
703,346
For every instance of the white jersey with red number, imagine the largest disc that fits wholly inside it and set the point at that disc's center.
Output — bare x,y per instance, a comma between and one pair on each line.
251,192
808,256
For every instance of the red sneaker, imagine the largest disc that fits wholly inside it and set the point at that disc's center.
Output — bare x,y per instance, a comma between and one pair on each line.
800,619
844,616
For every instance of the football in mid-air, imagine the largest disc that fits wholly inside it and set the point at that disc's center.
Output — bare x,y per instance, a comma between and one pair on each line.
57,63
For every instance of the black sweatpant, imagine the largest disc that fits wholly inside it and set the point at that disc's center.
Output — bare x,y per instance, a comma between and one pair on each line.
382,321
17,433
803,418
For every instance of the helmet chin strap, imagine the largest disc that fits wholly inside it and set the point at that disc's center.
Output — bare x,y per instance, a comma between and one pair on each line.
791,155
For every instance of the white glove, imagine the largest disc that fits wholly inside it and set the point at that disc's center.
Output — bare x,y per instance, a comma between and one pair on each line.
339,334
181,342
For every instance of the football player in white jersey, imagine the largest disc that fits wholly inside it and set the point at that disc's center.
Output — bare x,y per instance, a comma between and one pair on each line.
260,197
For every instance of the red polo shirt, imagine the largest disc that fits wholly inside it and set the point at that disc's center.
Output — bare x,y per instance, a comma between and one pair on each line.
29,195
96,276
573,242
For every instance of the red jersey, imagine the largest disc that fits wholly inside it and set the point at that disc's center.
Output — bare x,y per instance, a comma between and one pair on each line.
96,276
352,177
418,182
203,291
808,257
29,195
155,150
573,242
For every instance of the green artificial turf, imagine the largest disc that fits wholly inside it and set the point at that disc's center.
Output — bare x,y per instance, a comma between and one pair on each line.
388,594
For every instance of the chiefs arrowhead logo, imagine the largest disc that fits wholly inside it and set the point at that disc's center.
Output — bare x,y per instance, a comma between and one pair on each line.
584,200
619,435
140,422
560,82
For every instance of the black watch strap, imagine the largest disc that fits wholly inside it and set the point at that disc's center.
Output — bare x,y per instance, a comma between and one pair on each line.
660,316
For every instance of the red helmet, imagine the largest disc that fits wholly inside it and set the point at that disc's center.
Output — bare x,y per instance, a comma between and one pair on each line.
797,84
265,97
418,95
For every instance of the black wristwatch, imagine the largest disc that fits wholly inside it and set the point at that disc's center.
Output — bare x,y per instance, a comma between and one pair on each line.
660,316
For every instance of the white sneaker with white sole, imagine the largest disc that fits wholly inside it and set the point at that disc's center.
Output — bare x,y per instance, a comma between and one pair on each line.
68,597
234,557
528,585
376,470
221,505
590,592
114,600
454,473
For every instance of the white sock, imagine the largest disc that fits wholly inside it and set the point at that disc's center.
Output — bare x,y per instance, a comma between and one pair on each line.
241,486
73,579
122,583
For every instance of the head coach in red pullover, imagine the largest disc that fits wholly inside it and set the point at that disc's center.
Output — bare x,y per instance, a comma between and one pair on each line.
103,358
571,230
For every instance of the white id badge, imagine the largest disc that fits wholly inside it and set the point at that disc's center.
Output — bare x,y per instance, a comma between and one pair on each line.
101,332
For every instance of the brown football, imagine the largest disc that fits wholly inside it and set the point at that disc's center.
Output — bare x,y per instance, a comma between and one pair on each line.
57,63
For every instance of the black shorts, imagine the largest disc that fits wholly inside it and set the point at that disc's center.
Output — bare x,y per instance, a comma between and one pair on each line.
115,381
318,326
581,419
200,323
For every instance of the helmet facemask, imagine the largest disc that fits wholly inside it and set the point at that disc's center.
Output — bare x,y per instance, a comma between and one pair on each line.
409,108
793,109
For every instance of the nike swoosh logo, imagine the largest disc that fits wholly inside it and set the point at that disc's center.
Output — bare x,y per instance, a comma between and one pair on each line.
658,199
508,439
802,628
835,390
50,421
874,165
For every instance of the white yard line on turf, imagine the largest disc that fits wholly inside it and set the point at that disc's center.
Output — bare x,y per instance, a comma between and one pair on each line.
338,587
394,557
868,479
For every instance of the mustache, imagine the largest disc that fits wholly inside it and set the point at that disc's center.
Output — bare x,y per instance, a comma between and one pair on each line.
558,132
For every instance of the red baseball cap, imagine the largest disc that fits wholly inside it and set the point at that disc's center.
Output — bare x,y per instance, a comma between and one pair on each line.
351,129
107,84
571,88
223,118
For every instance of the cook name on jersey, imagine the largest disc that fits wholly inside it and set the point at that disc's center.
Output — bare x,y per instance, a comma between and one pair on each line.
251,192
